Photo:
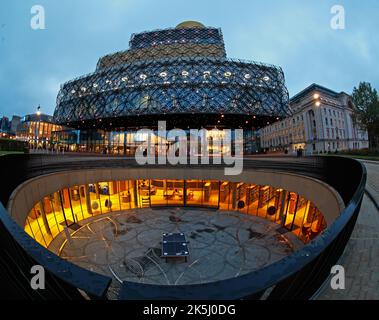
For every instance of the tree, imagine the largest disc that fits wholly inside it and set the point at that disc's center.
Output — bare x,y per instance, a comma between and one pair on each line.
366,112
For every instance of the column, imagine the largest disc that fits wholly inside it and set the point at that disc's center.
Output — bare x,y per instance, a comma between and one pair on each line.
135,193
282,207
88,199
44,219
184,193
234,194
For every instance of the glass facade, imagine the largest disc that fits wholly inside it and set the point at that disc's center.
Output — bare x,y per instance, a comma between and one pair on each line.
37,130
65,208
125,141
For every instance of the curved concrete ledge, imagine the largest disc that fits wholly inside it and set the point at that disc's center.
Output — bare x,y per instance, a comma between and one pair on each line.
289,278
26,195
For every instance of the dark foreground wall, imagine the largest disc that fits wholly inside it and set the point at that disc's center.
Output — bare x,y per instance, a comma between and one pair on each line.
297,276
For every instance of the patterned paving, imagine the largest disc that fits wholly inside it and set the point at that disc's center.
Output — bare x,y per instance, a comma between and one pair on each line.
361,256
373,178
222,245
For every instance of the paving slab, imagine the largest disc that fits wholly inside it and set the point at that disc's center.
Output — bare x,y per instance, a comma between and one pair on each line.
222,244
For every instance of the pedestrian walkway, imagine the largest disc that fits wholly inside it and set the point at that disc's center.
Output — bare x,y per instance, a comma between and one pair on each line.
372,184
361,256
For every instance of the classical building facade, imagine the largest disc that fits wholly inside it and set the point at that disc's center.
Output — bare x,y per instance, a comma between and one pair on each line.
37,130
321,121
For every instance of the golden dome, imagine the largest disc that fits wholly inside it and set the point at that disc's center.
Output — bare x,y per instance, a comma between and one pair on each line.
189,24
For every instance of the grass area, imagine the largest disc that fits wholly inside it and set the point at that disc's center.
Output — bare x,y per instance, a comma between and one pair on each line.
362,157
372,158
3,153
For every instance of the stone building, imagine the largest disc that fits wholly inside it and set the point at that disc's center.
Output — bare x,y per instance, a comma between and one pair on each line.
321,121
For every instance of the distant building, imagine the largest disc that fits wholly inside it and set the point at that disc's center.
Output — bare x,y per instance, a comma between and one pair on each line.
37,130
15,123
321,121
8,128
4,125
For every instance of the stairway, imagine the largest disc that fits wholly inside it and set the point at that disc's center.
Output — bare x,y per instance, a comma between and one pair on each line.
145,203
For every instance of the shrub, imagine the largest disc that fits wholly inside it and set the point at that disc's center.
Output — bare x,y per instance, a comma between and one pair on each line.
360,152
12,145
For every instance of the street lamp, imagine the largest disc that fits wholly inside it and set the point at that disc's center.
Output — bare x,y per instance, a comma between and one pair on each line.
317,98
38,113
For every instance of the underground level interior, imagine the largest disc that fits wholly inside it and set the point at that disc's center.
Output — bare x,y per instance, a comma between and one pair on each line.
66,208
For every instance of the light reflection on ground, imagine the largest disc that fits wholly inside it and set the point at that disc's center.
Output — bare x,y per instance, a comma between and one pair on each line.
222,244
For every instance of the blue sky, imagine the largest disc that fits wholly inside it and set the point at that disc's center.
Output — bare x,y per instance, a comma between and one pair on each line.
294,34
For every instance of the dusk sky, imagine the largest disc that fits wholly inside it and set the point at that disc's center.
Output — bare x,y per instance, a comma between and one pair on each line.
293,34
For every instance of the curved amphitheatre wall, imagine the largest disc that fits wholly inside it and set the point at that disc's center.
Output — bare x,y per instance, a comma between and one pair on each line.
26,195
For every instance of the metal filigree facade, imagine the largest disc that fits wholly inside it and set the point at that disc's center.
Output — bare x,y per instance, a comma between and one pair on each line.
176,71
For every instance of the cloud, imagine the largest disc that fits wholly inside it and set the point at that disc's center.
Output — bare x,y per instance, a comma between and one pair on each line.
293,34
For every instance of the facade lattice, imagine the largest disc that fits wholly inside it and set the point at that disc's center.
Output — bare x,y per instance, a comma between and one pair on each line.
173,71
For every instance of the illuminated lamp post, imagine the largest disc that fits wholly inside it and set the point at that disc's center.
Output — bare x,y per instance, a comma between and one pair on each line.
38,113
317,99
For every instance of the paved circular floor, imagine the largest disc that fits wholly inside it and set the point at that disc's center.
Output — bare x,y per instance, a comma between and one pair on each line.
222,244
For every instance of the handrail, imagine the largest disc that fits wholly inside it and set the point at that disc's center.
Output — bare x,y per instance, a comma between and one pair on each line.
93,284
